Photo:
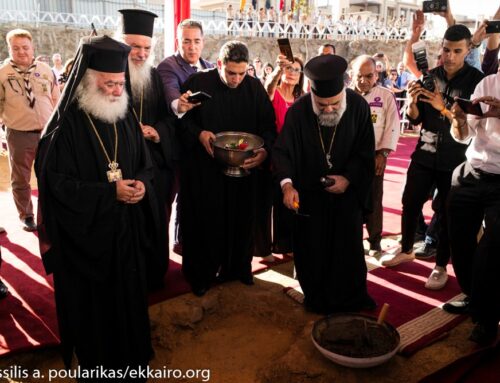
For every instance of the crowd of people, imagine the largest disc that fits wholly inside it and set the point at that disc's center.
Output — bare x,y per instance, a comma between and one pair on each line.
280,23
125,139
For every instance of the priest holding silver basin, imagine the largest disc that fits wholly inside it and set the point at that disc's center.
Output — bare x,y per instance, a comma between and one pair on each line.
218,206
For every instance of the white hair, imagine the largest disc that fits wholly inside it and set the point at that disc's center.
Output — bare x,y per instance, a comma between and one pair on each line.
330,118
109,108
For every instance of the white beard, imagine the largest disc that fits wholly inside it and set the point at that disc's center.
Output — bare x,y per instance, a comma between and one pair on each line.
331,118
108,109
140,77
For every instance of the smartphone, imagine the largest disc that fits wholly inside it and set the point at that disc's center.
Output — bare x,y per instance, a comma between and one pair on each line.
286,49
199,97
468,107
434,6
493,26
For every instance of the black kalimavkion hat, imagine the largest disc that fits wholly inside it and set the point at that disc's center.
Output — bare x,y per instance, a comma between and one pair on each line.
326,73
138,22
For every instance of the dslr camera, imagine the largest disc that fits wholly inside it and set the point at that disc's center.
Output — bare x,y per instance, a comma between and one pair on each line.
420,55
434,6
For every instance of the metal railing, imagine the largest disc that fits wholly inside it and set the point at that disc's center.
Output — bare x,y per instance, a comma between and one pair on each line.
214,24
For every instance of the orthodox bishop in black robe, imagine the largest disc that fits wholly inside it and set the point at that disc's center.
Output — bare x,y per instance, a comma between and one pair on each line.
150,111
328,231
217,211
157,125
94,244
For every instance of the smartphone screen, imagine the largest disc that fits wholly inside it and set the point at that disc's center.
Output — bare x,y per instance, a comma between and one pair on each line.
469,108
199,97
286,49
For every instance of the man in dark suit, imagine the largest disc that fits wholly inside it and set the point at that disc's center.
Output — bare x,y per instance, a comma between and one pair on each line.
174,70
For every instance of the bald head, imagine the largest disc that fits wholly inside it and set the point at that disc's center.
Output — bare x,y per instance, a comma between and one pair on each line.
364,74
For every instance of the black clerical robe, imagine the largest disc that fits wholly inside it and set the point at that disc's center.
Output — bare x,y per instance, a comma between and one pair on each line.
98,245
328,245
218,212
151,110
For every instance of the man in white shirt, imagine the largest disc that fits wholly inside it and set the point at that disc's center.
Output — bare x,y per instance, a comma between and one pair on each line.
474,201
385,119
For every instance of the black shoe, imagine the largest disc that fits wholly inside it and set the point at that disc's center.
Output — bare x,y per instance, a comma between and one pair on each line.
484,334
29,224
247,280
200,290
425,252
4,291
457,307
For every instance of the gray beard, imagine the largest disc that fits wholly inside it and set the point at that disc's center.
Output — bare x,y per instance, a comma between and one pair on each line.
108,109
140,78
331,118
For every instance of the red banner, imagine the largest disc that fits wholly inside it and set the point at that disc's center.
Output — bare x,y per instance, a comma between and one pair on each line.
182,10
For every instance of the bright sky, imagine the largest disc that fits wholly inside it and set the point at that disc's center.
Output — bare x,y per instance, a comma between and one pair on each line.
474,8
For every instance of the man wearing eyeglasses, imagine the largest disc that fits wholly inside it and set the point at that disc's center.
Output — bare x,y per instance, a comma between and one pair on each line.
28,94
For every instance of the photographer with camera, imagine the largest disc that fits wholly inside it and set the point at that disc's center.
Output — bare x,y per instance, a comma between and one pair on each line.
436,154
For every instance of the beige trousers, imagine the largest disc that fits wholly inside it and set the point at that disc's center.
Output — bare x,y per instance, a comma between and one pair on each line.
22,148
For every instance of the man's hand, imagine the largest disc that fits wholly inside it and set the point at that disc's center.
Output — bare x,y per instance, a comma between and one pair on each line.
129,191
417,25
414,90
340,186
433,98
290,196
494,109
259,156
206,138
150,133
450,20
184,105
480,34
380,164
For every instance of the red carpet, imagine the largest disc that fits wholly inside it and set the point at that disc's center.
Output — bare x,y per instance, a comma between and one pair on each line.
414,310
394,182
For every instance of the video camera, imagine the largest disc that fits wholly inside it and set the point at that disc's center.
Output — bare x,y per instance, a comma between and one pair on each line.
420,55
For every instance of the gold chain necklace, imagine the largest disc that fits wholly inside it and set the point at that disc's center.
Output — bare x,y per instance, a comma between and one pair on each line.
114,174
326,153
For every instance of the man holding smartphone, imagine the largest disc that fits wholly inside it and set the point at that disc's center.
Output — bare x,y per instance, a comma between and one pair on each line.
474,202
436,154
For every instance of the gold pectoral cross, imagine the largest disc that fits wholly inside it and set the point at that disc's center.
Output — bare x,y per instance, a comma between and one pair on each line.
114,174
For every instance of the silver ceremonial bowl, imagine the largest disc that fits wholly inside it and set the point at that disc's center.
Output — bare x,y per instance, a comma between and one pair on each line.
234,158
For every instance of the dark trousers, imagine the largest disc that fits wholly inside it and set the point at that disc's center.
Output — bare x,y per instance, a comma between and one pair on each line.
374,219
473,198
419,181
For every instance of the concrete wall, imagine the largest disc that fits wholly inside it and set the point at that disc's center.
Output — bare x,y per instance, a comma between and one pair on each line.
50,39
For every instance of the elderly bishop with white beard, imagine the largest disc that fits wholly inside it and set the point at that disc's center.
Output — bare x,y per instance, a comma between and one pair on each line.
324,160
158,126
96,223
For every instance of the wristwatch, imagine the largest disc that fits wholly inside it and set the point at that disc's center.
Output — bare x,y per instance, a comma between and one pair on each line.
384,153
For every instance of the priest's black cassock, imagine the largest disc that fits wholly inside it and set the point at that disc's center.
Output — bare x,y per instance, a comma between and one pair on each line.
98,244
217,211
328,245
150,110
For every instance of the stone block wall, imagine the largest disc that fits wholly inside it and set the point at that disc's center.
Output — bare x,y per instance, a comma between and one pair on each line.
49,39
